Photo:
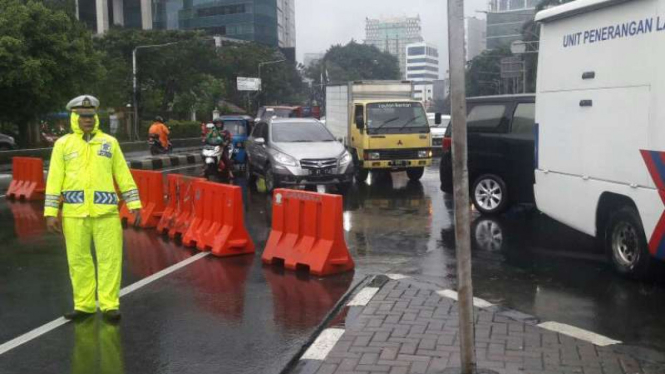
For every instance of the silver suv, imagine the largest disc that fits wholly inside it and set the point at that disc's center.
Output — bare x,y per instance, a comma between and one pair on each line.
298,152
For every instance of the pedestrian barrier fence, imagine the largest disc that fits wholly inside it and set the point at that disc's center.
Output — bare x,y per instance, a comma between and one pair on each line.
27,179
307,231
179,205
151,192
218,222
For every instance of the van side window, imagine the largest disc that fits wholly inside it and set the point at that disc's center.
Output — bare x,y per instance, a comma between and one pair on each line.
486,118
524,118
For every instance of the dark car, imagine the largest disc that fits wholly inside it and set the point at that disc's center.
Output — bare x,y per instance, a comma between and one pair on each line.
500,152
7,143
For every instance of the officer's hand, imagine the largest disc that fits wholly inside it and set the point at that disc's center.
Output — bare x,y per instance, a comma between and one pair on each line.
53,225
137,215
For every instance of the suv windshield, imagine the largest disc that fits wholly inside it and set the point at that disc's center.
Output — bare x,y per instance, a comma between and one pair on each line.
300,132
396,117
235,127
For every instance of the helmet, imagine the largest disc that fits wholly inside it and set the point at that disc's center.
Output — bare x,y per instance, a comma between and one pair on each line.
217,120
159,119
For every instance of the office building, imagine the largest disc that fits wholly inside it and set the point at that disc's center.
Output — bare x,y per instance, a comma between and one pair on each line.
475,41
422,67
270,22
505,20
392,35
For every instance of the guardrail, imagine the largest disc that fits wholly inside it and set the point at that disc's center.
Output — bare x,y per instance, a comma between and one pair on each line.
45,153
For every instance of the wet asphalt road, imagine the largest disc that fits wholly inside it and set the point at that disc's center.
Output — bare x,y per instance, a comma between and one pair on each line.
235,315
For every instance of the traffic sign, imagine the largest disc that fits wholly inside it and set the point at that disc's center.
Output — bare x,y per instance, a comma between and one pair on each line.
249,84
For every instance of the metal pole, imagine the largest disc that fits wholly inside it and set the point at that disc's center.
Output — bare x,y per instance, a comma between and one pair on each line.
461,184
134,89
258,97
523,75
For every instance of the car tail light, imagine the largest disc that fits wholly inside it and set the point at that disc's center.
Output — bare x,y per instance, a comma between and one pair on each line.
447,144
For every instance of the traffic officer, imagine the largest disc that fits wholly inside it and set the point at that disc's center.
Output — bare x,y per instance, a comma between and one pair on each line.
84,166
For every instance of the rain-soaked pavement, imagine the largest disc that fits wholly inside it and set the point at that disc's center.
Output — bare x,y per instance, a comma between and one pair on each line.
234,315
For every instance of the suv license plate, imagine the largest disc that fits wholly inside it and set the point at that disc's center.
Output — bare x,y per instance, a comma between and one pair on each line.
319,172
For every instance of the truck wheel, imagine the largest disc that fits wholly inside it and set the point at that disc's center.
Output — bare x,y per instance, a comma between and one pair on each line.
361,174
415,174
626,243
490,194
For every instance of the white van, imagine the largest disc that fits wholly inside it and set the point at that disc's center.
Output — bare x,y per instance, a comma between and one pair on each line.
600,114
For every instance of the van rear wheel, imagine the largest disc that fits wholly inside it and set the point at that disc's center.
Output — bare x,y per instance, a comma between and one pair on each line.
490,194
626,243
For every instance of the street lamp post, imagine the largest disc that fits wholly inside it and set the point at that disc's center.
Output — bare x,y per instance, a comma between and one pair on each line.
261,64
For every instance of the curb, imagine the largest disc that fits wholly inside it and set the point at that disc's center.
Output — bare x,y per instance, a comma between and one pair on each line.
153,163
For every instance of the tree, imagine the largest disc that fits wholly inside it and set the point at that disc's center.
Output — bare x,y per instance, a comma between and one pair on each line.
46,58
354,61
483,73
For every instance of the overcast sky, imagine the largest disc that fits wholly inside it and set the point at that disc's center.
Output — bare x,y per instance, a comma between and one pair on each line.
322,23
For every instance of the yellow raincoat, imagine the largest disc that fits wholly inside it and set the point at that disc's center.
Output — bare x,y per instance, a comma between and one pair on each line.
82,171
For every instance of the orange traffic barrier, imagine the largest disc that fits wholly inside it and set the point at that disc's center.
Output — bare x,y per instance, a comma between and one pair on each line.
218,222
180,205
307,232
151,192
27,179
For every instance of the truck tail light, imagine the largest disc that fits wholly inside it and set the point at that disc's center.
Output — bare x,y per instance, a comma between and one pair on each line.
447,144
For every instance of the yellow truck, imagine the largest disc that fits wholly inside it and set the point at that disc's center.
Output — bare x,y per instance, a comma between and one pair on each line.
382,126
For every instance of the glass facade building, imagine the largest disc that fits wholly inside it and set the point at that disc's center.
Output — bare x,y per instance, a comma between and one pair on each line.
393,35
270,22
505,20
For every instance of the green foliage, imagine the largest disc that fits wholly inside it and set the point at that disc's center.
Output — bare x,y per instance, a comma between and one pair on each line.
191,74
46,58
354,61
483,73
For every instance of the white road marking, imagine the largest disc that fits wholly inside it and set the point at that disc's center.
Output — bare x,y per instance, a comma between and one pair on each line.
579,333
363,297
480,303
397,276
39,331
323,344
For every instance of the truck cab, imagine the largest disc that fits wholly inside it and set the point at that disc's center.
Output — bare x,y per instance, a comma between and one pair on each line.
382,126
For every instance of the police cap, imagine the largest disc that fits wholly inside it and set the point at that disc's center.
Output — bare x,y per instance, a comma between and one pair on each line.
84,105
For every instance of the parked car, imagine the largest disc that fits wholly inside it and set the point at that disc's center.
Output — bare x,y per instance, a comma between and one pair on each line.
500,152
7,143
297,152
437,131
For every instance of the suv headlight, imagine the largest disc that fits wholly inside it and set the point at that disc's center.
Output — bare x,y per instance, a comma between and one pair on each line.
346,158
424,154
374,155
285,159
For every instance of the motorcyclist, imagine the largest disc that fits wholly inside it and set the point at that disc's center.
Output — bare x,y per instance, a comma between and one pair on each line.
218,136
158,129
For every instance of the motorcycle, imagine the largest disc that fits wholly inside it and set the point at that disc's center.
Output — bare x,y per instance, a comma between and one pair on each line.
156,146
214,167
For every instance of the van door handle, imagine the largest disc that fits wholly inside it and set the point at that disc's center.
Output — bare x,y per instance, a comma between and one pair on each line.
584,103
589,75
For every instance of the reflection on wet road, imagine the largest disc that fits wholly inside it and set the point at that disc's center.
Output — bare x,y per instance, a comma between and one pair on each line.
236,314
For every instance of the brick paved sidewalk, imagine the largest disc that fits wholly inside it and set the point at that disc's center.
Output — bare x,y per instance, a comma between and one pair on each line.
409,329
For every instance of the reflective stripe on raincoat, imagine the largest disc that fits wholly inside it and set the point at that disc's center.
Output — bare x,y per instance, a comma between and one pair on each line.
82,173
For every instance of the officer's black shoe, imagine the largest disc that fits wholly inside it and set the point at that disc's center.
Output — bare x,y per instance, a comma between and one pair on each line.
112,316
77,315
